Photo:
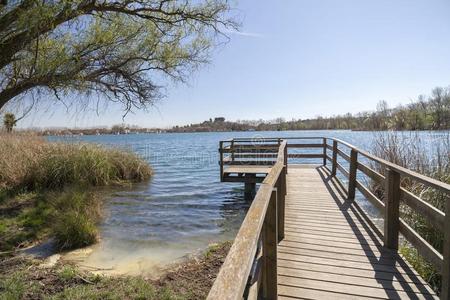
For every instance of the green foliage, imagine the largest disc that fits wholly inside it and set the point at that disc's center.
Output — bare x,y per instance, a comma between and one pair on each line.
211,250
423,114
115,49
74,223
46,189
424,268
69,216
13,287
9,121
216,249
68,273
117,288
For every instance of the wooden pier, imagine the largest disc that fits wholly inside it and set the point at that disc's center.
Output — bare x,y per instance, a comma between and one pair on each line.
305,237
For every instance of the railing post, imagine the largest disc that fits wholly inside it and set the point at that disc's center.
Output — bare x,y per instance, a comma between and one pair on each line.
232,150
445,290
392,204
221,159
281,198
352,174
334,163
324,151
270,242
286,158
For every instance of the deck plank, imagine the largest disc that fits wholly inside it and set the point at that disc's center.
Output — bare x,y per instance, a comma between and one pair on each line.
331,252
247,169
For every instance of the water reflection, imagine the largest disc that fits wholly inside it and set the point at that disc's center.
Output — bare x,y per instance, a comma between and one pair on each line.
233,210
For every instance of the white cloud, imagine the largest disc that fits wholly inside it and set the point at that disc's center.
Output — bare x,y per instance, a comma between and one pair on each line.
244,33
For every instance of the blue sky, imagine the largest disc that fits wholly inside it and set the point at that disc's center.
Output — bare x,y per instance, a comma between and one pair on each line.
303,58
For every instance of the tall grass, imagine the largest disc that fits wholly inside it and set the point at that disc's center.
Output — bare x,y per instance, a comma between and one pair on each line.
30,162
74,218
48,188
430,157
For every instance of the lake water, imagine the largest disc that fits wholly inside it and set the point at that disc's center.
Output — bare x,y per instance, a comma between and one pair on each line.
184,207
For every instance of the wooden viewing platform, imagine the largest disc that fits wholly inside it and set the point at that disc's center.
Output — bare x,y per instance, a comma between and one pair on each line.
304,236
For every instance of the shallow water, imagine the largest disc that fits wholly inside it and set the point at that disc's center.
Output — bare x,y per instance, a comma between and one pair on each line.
184,207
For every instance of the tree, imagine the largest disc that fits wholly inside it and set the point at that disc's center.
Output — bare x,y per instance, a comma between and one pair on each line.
9,121
122,51
436,103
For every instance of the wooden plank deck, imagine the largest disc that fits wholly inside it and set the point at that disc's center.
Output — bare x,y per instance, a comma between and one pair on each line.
330,251
247,169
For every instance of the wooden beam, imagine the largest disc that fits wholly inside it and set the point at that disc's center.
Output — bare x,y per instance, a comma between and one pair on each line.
221,160
334,163
305,155
244,179
233,275
256,162
428,181
250,150
305,145
392,204
423,247
270,241
374,175
342,170
370,196
344,155
285,158
431,214
445,290
281,197
352,174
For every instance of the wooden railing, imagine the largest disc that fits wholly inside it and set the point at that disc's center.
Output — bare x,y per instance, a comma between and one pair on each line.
250,268
394,193
242,267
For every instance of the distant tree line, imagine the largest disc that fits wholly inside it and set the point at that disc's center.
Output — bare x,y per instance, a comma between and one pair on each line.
425,113
115,129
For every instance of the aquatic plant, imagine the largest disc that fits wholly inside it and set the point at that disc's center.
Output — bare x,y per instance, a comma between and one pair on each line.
46,188
31,163
431,159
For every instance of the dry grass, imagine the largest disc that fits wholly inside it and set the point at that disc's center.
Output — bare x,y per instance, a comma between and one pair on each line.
46,189
431,158
30,163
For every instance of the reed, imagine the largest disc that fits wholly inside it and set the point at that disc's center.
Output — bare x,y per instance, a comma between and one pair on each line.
48,188
431,159
31,163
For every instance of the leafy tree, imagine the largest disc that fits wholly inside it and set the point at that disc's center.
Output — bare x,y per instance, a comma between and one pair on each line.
122,51
9,121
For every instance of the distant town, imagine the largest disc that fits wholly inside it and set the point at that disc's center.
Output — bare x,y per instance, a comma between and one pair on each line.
216,124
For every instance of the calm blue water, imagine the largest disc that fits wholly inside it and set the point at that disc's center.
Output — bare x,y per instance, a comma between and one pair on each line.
184,207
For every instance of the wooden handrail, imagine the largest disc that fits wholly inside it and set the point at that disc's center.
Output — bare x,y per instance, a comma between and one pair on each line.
439,185
393,224
262,221
233,277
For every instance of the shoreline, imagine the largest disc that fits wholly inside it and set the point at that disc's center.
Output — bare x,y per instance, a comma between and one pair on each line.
232,131
24,278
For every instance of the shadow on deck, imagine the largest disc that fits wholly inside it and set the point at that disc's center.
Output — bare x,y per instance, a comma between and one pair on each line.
331,249
305,236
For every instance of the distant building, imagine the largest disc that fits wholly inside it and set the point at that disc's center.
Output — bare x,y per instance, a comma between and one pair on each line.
219,119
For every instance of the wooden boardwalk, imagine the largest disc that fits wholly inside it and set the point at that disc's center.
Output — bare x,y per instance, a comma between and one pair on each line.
330,251
305,236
